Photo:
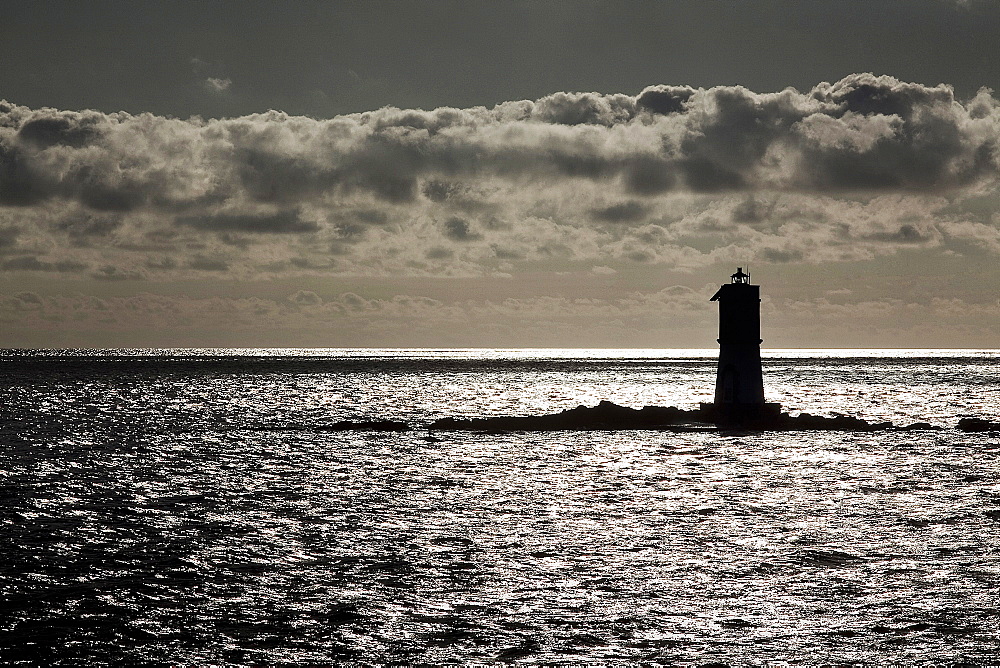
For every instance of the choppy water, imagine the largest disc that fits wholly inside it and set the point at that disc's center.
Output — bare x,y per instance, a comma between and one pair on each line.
151,513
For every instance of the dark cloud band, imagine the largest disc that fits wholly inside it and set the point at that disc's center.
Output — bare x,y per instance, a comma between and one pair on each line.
863,132
131,181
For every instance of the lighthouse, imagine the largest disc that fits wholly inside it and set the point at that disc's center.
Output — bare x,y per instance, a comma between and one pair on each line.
739,384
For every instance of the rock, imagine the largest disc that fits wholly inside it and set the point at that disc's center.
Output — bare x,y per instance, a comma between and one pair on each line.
977,424
609,416
806,421
606,415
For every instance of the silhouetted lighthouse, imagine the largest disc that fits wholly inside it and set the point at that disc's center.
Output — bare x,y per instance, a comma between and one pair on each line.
739,385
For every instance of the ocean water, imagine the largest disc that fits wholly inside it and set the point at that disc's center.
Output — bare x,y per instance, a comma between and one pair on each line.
187,507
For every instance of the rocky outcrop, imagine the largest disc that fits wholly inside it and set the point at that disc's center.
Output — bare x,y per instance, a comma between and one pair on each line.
978,424
606,416
609,416
806,422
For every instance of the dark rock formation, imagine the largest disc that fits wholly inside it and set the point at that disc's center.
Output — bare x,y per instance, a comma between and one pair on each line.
605,416
805,421
978,424
610,416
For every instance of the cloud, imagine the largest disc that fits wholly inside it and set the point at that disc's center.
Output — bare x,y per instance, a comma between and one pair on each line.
779,256
351,317
664,99
8,237
305,298
52,128
623,212
584,108
33,263
878,322
213,84
457,229
113,273
282,222
362,319
673,173
218,85
201,263
904,234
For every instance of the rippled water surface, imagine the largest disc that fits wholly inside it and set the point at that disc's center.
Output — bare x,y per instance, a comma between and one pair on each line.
187,507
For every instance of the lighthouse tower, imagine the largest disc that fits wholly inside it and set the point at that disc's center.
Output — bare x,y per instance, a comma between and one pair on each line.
739,385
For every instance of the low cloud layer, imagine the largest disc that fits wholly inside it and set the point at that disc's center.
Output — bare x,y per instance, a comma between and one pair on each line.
683,176
349,319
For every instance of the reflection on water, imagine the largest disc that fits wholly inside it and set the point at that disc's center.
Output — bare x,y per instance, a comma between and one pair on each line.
146,519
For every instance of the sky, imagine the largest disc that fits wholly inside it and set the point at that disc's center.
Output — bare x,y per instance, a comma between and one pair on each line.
512,174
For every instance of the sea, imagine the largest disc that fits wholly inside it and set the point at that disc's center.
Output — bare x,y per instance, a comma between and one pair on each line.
192,507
